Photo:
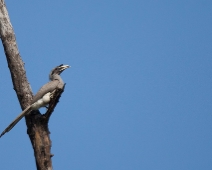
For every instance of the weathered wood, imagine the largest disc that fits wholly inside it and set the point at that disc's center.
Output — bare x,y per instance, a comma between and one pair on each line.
15,63
54,100
37,124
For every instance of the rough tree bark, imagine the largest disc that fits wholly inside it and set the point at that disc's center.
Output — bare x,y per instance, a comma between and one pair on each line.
37,124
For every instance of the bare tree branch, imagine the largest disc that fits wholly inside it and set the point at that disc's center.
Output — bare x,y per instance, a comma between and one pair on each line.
15,63
37,124
54,101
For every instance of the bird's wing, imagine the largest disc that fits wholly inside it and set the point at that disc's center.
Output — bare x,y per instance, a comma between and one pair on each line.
49,87
14,122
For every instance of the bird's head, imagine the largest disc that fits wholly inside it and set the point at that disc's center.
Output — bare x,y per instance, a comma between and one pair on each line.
58,70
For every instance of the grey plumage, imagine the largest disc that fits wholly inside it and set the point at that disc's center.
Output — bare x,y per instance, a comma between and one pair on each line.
42,97
49,87
13,123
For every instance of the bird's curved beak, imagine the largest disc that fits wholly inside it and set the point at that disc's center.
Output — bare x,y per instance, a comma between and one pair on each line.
63,67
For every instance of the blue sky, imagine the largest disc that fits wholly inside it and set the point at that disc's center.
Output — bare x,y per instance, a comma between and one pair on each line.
138,93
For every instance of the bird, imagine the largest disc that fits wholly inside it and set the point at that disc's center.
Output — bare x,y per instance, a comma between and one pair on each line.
43,96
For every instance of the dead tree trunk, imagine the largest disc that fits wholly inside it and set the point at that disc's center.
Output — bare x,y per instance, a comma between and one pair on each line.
37,124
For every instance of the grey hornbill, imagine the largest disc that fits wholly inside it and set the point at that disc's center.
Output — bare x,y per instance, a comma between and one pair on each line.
43,96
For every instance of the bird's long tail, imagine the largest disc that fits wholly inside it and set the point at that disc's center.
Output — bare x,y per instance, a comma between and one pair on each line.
14,122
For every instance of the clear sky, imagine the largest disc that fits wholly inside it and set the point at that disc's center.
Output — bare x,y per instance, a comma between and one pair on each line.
138,93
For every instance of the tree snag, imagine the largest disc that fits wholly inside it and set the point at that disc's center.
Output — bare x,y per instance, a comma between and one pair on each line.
37,124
